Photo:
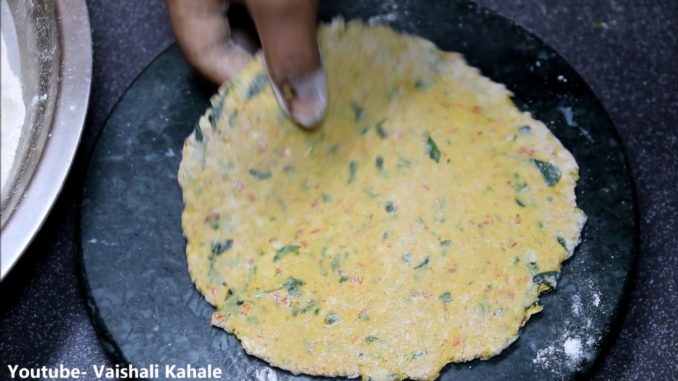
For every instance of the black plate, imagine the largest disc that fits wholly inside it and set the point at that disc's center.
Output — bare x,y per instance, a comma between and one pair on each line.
145,306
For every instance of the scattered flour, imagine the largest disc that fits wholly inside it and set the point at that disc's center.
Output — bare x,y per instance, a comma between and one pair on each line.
389,12
573,350
382,19
576,304
596,299
13,113
544,355
576,345
568,350
265,374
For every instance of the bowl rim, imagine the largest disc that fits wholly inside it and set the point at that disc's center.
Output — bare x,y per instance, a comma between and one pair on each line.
74,81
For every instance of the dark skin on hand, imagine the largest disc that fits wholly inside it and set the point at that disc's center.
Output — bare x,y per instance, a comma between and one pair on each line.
287,30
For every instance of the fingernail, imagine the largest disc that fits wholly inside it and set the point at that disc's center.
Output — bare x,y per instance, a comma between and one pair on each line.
306,102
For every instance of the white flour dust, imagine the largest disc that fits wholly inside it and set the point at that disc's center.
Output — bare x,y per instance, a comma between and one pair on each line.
265,374
388,13
577,343
572,349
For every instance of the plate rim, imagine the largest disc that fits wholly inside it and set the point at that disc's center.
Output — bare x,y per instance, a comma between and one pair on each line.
65,131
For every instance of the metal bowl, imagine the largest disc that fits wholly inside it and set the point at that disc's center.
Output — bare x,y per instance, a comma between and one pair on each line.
54,50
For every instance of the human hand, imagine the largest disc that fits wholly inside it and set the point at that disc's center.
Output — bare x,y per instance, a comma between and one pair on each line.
287,30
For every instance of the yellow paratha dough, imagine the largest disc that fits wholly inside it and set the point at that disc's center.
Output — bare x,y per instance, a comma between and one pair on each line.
415,228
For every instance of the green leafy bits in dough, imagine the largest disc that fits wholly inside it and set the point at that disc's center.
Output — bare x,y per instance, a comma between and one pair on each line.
257,85
404,163
390,207
283,251
292,286
562,242
520,203
432,149
343,279
423,263
216,111
417,355
548,278
332,319
480,309
370,193
549,172
311,306
213,220
407,258
445,297
379,162
525,130
371,339
219,247
333,149
534,268
197,133
420,84
233,119
380,129
336,262
519,186
260,174
358,111
446,242
352,169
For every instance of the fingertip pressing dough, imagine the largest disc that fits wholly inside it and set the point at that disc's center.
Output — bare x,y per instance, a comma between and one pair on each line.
416,227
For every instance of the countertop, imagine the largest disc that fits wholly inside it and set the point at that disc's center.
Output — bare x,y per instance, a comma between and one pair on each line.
626,50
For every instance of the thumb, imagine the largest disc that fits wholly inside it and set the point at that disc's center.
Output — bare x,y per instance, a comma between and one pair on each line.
287,30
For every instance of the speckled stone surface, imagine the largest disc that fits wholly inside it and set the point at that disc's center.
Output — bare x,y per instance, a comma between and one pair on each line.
625,50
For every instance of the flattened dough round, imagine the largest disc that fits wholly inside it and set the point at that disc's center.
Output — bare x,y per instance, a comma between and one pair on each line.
416,227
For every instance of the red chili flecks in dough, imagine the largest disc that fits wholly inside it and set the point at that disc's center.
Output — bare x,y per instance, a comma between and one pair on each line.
238,186
262,145
362,314
280,298
526,151
212,217
245,308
